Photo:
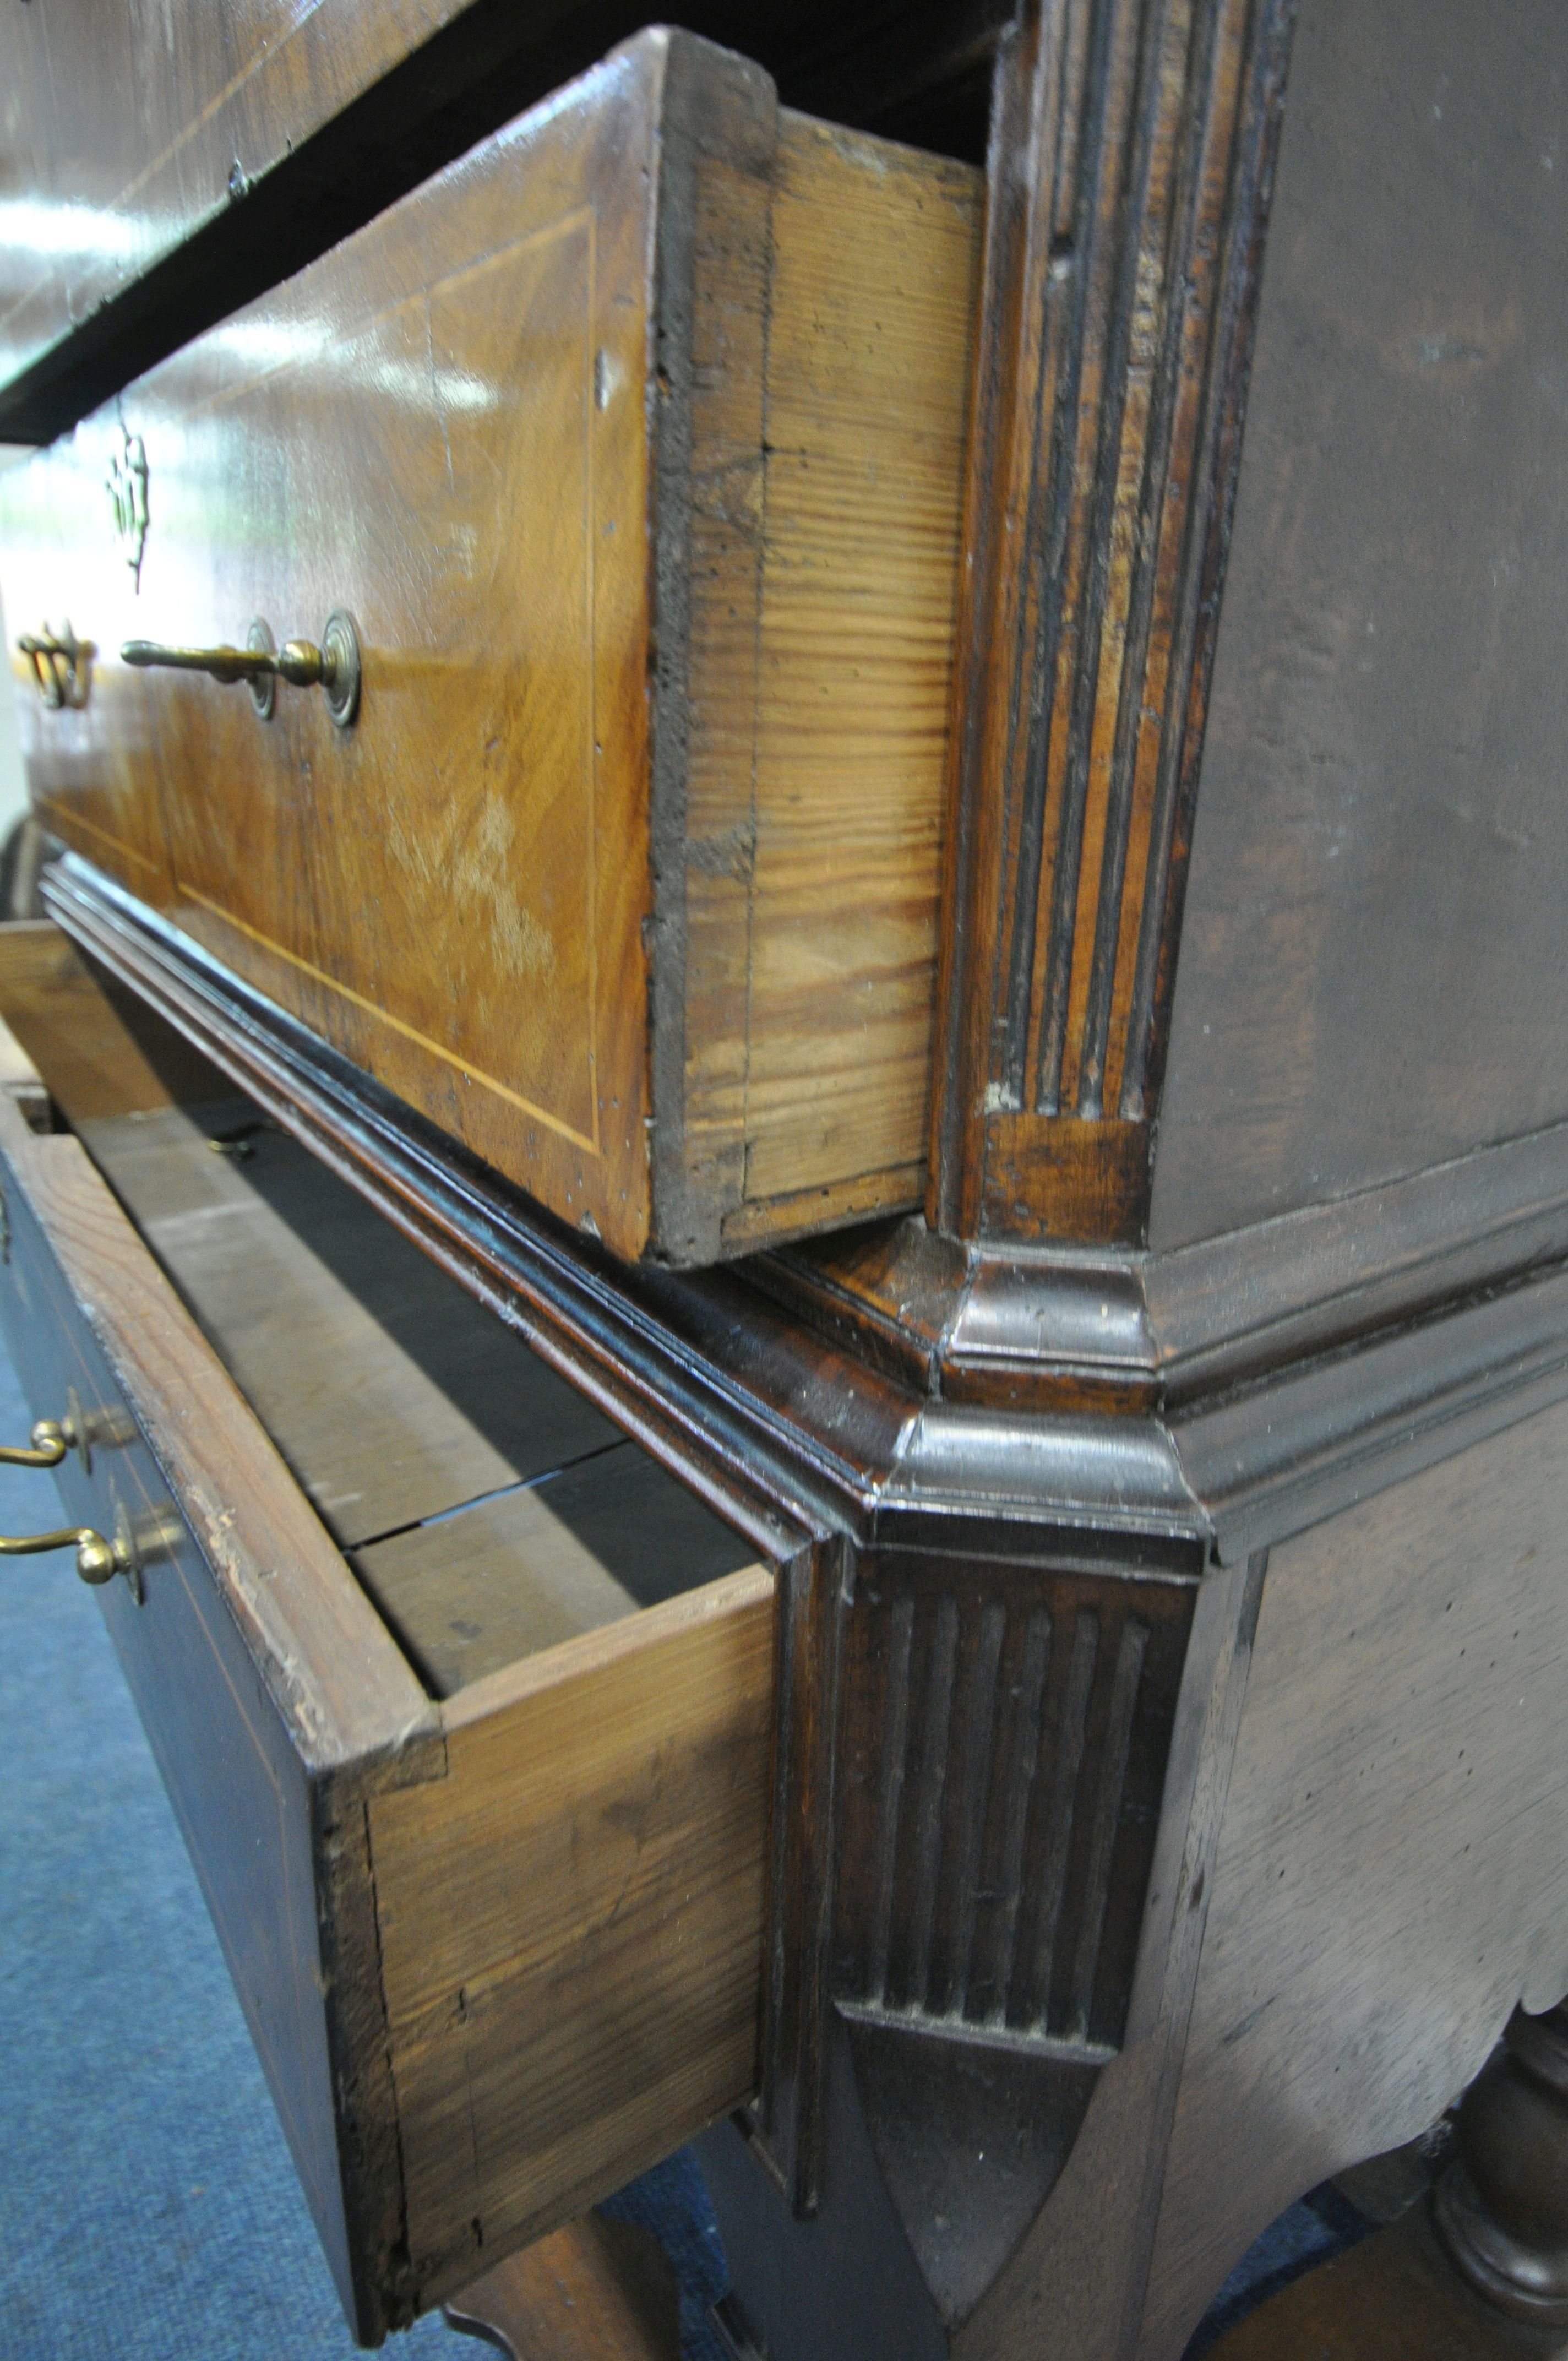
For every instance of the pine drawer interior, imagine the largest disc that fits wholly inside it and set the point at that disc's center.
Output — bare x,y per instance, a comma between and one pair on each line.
527,1793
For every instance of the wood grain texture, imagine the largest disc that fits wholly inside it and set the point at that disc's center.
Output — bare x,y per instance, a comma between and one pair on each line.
1372,980
1390,1877
161,167
367,1365
102,1049
870,337
1129,175
122,126
600,1836
606,1801
541,1564
270,1693
611,645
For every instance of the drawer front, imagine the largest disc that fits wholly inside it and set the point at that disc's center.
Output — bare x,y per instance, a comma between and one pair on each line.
438,431
130,130
498,1955
625,868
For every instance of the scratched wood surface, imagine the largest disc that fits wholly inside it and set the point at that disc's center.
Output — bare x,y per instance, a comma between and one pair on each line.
1392,1872
443,428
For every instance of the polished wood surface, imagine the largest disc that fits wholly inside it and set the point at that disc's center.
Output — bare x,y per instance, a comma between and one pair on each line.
480,890
594,2290
427,1989
125,129
161,167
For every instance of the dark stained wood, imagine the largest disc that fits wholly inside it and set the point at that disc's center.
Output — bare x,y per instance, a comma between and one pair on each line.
1130,169
675,920
270,1693
1371,972
595,2290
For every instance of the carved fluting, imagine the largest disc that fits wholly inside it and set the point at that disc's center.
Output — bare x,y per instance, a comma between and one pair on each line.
1130,174
999,1810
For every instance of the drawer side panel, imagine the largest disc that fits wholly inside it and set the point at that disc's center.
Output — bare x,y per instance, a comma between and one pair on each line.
571,1922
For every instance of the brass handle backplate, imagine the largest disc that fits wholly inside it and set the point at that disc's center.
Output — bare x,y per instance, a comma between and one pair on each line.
62,666
333,667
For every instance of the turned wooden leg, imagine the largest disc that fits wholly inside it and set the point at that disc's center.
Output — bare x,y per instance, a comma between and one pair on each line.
1502,2206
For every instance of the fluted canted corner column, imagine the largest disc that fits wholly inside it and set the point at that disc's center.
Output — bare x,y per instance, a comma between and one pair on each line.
1502,2207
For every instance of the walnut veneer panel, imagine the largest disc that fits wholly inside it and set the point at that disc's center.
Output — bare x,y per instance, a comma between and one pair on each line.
633,444
124,129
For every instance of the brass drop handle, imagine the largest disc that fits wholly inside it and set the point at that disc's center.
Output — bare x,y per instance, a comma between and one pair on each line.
51,1439
333,667
97,1560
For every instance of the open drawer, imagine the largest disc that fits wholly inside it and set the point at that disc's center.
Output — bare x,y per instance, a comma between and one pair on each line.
464,1705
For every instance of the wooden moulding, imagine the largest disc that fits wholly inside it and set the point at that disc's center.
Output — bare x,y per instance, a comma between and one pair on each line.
633,443
1130,178
899,1370
477,2013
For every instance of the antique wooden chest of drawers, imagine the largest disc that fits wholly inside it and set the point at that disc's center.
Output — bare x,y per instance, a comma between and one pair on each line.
629,452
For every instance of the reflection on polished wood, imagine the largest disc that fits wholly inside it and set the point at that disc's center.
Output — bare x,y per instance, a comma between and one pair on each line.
627,873
134,124
1396,2297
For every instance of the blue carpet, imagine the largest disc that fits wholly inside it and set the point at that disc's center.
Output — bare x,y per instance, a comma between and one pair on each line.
149,2208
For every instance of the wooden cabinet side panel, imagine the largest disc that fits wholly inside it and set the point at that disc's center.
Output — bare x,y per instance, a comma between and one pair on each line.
1392,1874
874,292
571,1922
1371,979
